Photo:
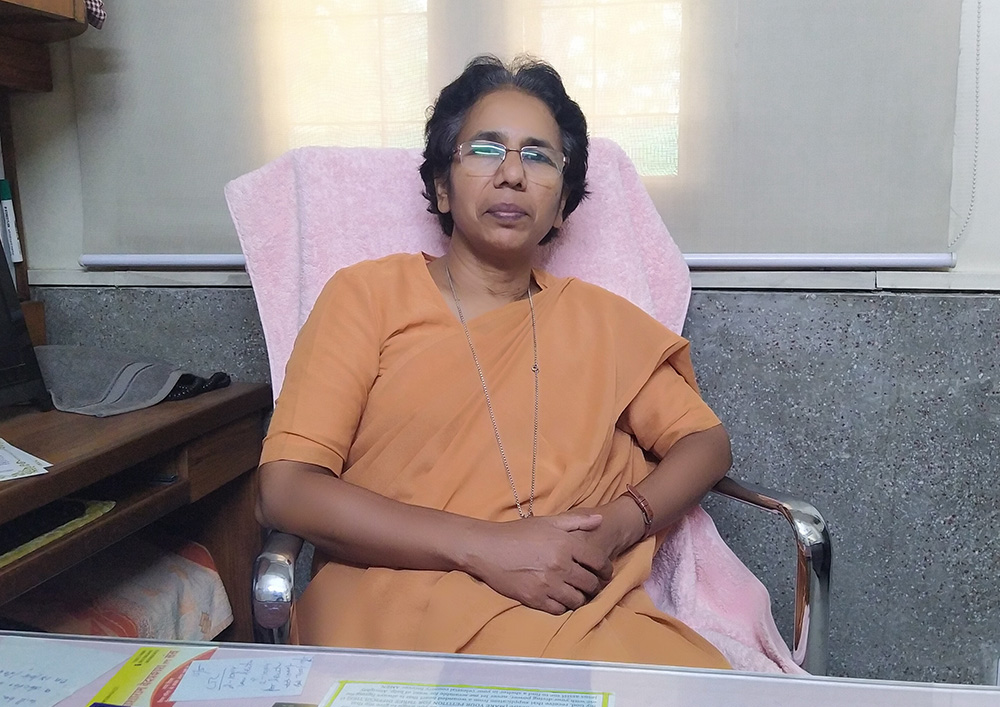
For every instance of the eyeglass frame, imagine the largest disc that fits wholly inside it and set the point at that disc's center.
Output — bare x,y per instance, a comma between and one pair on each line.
559,167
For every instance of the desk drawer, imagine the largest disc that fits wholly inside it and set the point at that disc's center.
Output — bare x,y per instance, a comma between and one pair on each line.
220,456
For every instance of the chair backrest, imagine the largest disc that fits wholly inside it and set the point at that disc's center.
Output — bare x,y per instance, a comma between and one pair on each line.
315,210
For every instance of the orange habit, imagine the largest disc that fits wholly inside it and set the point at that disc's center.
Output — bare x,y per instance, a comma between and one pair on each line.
382,390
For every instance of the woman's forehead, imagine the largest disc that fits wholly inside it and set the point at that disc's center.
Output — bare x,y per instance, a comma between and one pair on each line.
512,117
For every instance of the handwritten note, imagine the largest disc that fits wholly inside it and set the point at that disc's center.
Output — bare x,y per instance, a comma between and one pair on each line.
241,678
37,673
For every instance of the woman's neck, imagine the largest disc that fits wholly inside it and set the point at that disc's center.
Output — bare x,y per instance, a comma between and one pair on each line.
485,282
480,288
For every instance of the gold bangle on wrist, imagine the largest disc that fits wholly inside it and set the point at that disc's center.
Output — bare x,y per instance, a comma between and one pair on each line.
644,508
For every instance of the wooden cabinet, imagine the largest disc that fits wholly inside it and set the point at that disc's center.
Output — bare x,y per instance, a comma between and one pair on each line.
26,28
57,9
186,464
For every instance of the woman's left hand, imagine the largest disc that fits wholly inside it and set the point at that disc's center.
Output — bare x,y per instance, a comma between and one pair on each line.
685,474
621,527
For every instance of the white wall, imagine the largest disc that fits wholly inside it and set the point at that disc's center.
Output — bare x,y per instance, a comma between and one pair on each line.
48,170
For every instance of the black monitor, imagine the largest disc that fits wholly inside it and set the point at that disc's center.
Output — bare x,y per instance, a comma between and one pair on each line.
20,377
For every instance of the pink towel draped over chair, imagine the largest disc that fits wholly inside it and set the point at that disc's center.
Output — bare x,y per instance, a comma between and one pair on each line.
315,210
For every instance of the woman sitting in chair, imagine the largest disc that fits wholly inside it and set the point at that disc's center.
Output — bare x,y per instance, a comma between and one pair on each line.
484,454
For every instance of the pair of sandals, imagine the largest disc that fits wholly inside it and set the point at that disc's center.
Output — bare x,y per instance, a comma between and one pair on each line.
190,385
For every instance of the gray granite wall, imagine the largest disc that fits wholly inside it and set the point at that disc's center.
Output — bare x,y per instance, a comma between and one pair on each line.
884,411
881,409
202,329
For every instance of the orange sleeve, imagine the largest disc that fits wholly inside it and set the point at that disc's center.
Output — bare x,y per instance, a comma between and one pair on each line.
329,375
668,407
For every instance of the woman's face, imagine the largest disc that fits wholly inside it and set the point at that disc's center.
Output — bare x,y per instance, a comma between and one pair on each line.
505,214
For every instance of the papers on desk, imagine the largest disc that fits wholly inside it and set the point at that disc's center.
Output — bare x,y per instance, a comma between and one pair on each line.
38,674
16,463
162,675
38,671
242,678
157,676
150,675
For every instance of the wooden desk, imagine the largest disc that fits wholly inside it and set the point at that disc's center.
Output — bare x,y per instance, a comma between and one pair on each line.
206,444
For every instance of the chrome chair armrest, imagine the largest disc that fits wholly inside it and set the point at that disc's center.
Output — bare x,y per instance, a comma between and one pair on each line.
273,581
812,577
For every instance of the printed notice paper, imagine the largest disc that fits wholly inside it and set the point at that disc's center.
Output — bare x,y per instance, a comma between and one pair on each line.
242,678
150,675
16,463
37,673
351,693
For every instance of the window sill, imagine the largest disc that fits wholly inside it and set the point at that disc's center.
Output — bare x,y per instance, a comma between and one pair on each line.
138,278
888,280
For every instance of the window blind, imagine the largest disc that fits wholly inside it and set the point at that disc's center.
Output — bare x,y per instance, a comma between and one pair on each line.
771,126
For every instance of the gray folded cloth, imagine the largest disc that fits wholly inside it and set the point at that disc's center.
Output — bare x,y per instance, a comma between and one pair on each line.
92,381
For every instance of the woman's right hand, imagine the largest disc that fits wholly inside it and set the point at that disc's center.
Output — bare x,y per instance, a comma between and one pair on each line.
540,562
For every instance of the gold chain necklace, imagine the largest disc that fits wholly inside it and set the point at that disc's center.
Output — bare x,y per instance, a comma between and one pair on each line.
489,404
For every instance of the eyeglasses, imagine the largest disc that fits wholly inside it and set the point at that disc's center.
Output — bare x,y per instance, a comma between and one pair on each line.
482,158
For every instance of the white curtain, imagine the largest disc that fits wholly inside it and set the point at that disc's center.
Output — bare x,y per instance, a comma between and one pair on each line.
761,125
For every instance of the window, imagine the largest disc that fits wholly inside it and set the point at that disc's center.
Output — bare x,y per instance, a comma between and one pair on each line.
760,127
630,96
345,73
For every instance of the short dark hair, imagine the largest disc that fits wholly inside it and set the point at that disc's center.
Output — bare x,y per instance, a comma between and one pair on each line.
482,76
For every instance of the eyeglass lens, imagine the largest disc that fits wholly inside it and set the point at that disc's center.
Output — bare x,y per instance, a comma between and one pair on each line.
482,158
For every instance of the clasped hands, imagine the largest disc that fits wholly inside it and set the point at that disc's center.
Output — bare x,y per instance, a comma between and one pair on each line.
551,563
